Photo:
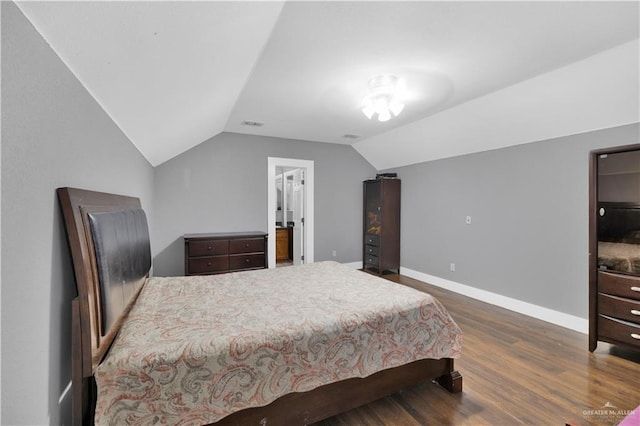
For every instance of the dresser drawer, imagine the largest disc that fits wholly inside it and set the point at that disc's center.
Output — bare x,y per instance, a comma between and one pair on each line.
371,260
619,285
252,245
208,248
208,265
618,307
246,261
373,240
371,250
619,331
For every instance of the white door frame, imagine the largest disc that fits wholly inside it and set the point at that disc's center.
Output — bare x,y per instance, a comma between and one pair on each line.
298,208
272,163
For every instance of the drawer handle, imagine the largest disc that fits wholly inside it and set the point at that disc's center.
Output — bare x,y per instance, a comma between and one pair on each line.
246,245
209,264
635,312
209,248
247,260
635,289
635,336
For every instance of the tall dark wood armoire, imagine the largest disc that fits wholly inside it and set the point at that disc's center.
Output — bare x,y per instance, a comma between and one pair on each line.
614,247
381,245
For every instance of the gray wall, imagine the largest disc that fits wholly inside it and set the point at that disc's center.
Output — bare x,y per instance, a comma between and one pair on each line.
53,134
528,237
221,185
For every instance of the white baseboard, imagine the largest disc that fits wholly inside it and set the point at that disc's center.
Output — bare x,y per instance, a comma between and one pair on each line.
354,265
558,318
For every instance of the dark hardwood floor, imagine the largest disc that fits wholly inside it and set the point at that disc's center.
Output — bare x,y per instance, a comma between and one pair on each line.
516,370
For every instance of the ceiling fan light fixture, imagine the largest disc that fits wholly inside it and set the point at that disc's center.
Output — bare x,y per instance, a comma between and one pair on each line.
381,99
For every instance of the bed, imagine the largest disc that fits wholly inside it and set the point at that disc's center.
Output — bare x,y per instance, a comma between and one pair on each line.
289,345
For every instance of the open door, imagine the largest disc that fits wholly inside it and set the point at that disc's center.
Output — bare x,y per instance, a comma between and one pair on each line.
297,189
298,208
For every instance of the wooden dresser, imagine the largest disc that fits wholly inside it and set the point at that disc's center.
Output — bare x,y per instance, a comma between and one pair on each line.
381,241
219,253
618,309
614,247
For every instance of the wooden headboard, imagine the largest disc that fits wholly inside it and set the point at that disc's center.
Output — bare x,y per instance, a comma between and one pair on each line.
98,224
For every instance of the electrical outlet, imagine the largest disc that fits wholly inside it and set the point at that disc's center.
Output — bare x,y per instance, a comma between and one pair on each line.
452,267
334,253
468,220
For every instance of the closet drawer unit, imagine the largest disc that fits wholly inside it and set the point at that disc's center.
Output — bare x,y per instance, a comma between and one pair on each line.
246,261
208,265
218,253
381,224
619,285
618,331
253,245
208,248
618,307
373,240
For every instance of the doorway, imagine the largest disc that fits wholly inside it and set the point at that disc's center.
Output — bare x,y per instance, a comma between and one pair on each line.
290,209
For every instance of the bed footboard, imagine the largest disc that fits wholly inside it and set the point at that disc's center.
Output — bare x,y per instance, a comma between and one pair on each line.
335,398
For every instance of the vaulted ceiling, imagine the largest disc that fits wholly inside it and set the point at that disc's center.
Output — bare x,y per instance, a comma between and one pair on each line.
174,74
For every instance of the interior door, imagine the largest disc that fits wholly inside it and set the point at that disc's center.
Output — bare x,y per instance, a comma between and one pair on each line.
298,216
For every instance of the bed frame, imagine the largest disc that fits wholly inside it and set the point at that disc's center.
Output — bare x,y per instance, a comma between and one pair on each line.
90,341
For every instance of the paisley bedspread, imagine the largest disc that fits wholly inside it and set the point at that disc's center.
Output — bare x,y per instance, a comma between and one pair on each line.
195,349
